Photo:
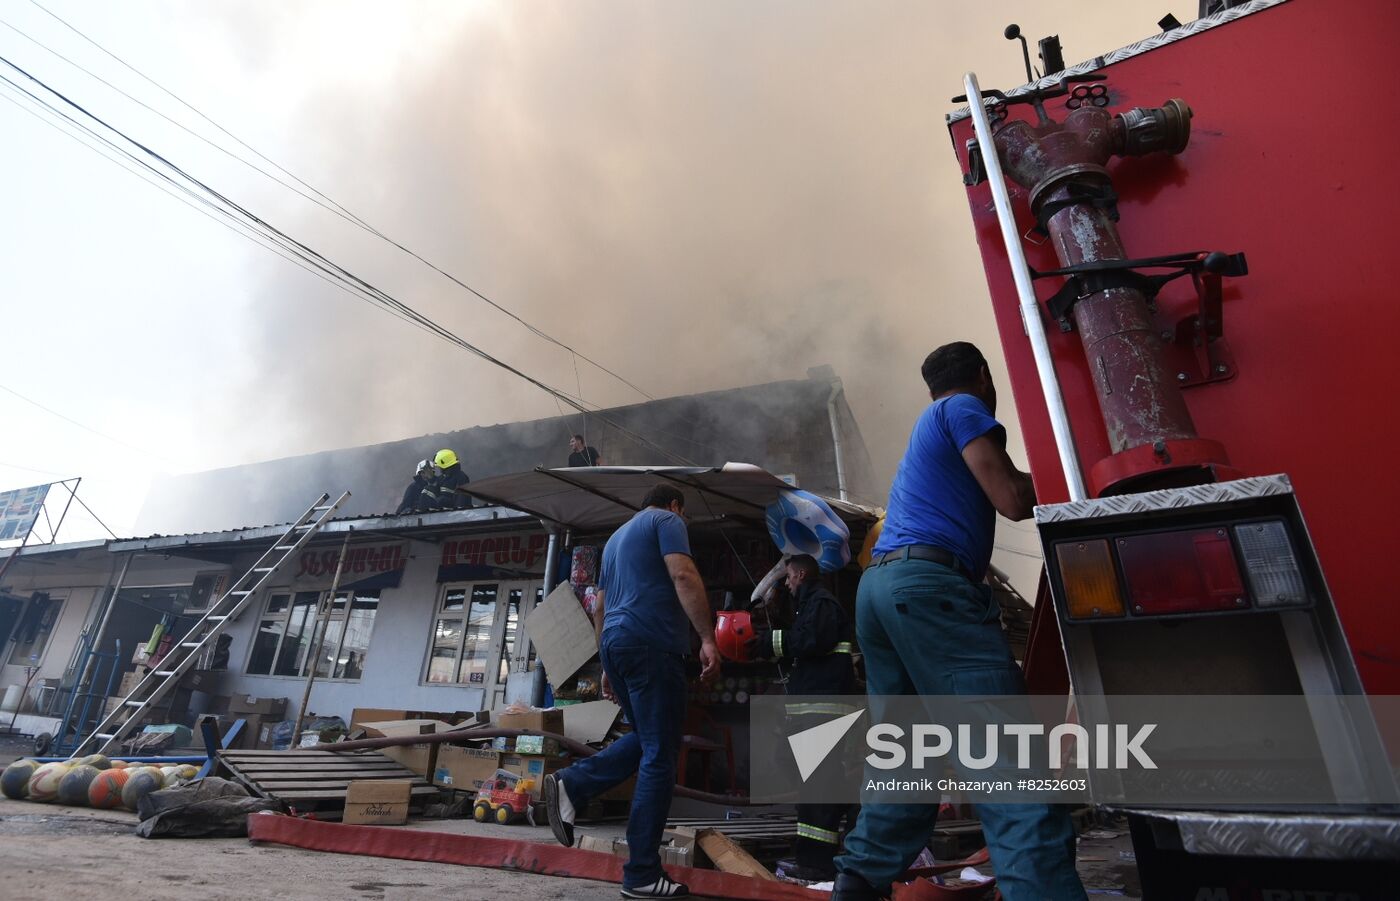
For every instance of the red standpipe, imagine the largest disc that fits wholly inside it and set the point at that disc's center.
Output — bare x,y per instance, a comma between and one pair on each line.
1150,433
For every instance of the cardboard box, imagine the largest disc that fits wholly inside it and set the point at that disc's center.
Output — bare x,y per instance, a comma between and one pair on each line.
533,766
362,715
551,720
375,802
464,769
271,708
729,857
677,846
129,683
420,758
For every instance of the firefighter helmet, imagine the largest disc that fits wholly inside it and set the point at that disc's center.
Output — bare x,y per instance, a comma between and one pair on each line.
445,458
422,465
733,632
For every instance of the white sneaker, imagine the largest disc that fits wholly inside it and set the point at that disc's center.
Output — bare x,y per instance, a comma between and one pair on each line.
560,810
664,887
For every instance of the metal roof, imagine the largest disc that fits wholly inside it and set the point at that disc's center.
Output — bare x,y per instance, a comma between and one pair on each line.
387,522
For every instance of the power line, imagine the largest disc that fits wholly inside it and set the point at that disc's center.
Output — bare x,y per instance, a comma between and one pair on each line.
333,207
1019,553
69,419
235,212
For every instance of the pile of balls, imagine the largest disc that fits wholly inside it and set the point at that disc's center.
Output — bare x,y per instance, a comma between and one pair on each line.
94,781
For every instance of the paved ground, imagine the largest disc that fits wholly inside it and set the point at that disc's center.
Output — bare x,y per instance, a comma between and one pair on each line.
76,853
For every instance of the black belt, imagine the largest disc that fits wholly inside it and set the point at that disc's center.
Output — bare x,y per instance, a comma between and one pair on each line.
924,552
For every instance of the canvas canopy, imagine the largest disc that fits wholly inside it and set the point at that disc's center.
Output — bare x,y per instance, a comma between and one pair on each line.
599,498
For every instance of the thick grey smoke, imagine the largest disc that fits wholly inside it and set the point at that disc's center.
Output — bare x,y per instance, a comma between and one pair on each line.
700,195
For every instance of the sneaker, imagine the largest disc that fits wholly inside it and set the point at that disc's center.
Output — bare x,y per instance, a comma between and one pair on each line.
663,887
850,887
560,811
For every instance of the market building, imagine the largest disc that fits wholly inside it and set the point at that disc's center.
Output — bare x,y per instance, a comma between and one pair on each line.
429,611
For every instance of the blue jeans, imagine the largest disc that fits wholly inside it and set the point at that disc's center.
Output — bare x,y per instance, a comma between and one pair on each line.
650,688
925,630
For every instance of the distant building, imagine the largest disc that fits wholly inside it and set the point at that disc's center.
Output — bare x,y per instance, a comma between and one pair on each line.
784,427
431,604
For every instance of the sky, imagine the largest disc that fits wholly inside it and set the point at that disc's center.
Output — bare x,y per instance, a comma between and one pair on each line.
698,195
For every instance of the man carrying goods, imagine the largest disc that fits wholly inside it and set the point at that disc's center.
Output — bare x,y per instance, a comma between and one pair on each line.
929,626
648,589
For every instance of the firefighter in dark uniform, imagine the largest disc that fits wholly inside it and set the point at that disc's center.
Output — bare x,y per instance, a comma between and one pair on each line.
819,644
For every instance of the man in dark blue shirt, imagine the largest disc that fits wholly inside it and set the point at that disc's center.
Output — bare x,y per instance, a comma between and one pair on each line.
648,589
929,626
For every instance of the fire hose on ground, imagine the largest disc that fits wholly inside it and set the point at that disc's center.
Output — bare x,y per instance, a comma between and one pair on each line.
577,748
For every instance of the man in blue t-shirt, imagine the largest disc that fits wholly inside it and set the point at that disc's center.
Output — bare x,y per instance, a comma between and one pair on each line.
928,625
648,590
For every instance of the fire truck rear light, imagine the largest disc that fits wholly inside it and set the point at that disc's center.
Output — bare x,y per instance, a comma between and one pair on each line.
1181,572
1270,565
1091,585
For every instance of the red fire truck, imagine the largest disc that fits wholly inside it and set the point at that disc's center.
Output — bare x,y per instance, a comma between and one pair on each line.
1178,241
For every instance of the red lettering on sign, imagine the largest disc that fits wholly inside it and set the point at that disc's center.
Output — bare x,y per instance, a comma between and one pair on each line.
360,560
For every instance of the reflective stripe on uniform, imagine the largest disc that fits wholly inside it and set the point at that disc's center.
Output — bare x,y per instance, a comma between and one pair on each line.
777,642
805,830
842,647
826,709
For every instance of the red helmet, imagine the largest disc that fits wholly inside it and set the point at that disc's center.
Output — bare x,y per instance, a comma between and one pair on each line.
733,632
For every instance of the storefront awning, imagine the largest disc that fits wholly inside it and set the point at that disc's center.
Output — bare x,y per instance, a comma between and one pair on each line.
598,498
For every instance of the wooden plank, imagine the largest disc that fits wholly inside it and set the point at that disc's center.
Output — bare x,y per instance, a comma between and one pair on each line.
339,794
277,787
321,768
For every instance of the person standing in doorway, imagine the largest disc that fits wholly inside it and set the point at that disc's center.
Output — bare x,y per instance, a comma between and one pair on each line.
649,597
580,454
928,625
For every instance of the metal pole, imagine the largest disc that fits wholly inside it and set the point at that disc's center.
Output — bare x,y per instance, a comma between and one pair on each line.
551,574
1030,307
836,439
319,634
103,623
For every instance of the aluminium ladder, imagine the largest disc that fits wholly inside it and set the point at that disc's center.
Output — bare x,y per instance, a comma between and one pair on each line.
182,655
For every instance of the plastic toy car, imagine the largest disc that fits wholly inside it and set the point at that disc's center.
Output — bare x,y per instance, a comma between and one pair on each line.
503,800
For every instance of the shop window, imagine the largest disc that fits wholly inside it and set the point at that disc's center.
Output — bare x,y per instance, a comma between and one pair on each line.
286,632
513,634
462,635
36,623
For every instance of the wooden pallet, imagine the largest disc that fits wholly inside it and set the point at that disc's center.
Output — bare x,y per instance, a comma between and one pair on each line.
317,780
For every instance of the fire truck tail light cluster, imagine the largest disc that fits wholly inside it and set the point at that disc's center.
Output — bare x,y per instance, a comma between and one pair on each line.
1091,584
1275,579
1181,572
1206,569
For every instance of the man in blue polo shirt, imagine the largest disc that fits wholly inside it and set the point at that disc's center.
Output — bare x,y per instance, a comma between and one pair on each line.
649,596
929,626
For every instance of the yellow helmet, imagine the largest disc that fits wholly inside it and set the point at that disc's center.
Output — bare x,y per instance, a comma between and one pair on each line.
445,458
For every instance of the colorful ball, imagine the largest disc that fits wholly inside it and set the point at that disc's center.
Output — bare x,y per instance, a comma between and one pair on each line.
73,787
188,771
95,760
14,782
139,784
43,785
106,790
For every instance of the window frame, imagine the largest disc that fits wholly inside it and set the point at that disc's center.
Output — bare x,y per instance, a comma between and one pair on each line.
284,618
497,654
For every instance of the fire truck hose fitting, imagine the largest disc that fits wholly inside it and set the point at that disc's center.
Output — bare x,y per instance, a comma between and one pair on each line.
1140,131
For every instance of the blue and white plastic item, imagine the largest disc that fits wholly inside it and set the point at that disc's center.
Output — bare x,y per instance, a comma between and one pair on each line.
799,522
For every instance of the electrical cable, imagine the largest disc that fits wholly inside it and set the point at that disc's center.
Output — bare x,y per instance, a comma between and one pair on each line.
233,210
334,207
75,422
